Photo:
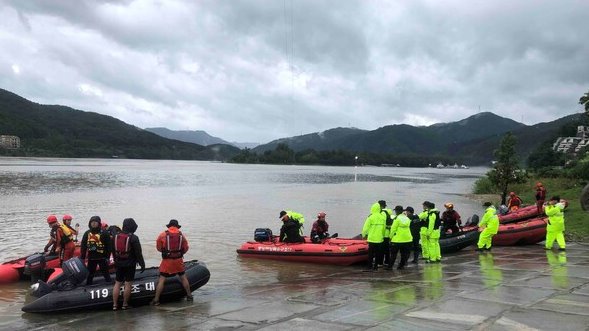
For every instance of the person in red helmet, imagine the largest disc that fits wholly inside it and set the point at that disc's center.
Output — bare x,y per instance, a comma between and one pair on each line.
69,244
540,197
51,247
320,228
514,202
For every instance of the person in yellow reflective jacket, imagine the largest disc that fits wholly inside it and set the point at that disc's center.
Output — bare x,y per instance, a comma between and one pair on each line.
555,228
373,231
490,226
431,217
401,238
386,243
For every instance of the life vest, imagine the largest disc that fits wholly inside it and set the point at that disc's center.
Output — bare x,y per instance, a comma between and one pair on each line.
437,221
68,235
94,243
122,246
173,246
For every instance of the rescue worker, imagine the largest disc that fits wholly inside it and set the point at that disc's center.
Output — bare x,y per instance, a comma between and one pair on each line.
66,240
401,239
374,231
489,225
450,219
431,217
96,244
297,217
173,245
52,248
415,229
127,254
540,196
290,230
320,228
555,229
514,202
386,241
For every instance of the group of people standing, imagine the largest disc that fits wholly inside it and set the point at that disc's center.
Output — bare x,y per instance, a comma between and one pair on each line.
98,244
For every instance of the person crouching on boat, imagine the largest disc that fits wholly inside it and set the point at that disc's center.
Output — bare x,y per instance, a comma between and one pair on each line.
374,231
555,228
66,239
173,245
320,228
450,219
490,226
290,230
127,254
96,243
514,202
298,217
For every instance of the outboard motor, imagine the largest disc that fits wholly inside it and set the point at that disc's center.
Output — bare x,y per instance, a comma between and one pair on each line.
74,272
262,235
473,221
35,267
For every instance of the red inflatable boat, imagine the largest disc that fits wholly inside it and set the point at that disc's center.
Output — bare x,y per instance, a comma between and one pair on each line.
520,214
14,271
527,232
338,251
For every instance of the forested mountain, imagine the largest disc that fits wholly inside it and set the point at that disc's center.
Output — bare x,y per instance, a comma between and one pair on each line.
196,137
59,131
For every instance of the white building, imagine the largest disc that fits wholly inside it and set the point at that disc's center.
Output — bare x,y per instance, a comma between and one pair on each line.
9,142
572,145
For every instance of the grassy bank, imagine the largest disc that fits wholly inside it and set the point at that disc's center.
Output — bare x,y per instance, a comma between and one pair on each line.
576,219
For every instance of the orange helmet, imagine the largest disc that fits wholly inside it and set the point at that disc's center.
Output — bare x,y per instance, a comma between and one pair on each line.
67,217
321,215
538,184
51,219
104,225
449,205
511,193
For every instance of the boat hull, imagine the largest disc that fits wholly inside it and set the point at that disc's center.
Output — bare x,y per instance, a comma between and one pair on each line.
527,232
520,214
13,271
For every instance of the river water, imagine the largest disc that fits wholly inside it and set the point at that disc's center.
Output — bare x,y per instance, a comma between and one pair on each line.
218,205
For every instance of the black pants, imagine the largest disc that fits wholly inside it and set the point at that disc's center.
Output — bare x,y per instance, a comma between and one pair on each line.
374,255
102,263
450,226
405,249
416,247
386,252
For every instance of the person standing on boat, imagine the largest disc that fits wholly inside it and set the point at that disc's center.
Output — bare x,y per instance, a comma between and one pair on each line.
540,196
65,238
514,202
52,247
374,231
415,229
450,219
431,217
173,245
320,228
96,243
490,226
401,239
127,254
555,229
386,243
290,232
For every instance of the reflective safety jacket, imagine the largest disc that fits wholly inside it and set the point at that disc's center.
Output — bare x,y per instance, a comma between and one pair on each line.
401,229
555,217
490,220
374,226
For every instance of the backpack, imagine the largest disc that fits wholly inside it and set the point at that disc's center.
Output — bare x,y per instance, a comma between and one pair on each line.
122,246
173,246
262,234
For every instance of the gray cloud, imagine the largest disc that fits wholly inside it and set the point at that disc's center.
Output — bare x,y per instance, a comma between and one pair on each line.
259,70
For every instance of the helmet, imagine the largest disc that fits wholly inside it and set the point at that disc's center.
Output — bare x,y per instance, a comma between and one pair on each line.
449,205
67,217
321,215
511,194
104,225
51,219
538,184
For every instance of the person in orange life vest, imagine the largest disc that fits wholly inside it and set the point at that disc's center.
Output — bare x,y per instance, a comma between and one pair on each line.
52,248
540,196
173,245
514,202
450,219
320,228
96,243
70,246
126,250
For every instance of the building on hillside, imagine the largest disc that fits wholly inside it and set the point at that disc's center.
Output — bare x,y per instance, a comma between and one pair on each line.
572,145
9,142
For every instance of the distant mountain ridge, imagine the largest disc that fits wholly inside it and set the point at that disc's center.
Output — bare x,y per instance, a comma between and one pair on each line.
196,137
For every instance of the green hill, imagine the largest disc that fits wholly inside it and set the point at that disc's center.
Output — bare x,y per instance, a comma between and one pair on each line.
59,131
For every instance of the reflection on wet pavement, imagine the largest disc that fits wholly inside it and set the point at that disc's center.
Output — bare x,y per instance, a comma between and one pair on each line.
511,288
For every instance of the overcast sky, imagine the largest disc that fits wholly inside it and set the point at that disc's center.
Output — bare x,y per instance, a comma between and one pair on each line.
254,71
